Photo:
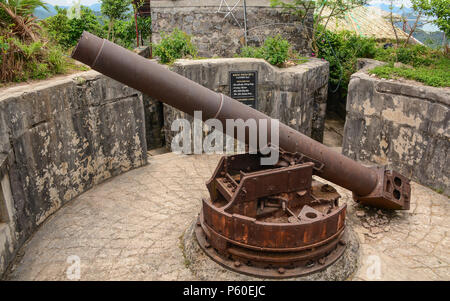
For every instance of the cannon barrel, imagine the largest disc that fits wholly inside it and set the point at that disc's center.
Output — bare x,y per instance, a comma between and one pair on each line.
372,186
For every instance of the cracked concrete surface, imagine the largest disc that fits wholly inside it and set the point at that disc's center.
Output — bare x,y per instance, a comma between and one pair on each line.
130,228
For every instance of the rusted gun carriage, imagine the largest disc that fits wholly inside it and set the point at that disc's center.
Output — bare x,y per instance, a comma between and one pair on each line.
267,221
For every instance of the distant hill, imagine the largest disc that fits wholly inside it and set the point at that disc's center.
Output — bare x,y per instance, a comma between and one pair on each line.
395,9
41,13
432,39
96,7
427,34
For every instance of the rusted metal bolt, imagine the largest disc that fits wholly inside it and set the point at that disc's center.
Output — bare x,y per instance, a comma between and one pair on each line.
281,271
207,245
237,264
342,242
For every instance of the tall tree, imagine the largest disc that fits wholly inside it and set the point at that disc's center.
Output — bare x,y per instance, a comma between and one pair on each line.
115,10
439,11
323,10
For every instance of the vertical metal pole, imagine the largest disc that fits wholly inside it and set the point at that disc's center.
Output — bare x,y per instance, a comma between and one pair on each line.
137,30
151,28
245,22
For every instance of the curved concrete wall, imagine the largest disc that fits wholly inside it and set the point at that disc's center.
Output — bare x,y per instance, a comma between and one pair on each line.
402,124
59,138
296,96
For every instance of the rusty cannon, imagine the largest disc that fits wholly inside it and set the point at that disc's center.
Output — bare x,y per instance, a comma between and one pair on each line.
266,221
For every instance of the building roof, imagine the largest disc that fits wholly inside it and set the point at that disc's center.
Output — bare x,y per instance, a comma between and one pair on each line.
368,22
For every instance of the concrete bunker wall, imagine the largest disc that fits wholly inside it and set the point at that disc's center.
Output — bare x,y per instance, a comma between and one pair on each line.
216,36
296,96
59,138
402,124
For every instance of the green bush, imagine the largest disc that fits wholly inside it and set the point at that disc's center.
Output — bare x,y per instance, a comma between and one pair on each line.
275,50
67,31
56,60
24,60
28,54
253,52
342,50
414,55
174,46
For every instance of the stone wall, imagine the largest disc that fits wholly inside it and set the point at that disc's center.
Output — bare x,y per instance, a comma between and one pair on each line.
402,124
296,96
215,36
59,138
154,123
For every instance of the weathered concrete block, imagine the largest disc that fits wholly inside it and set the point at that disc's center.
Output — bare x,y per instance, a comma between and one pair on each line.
400,124
60,138
296,96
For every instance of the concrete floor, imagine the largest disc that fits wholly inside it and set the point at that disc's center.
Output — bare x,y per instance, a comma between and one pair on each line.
129,228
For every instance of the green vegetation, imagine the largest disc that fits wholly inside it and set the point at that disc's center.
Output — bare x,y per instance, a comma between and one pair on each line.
114,10
31,49
16,17
439,10
275,51
434,39
342,50
174,46
67,32
25,51
323,11
419,63
125,31
22,60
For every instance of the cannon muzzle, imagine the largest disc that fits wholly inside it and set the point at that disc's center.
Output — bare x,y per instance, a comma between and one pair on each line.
372,186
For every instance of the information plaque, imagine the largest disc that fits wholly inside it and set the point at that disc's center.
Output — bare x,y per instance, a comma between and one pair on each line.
243,87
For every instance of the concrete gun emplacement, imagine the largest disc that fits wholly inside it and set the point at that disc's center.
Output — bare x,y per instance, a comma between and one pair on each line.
265,222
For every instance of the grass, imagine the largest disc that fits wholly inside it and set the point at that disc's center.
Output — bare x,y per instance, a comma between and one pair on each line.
41,72
419,63
435,77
